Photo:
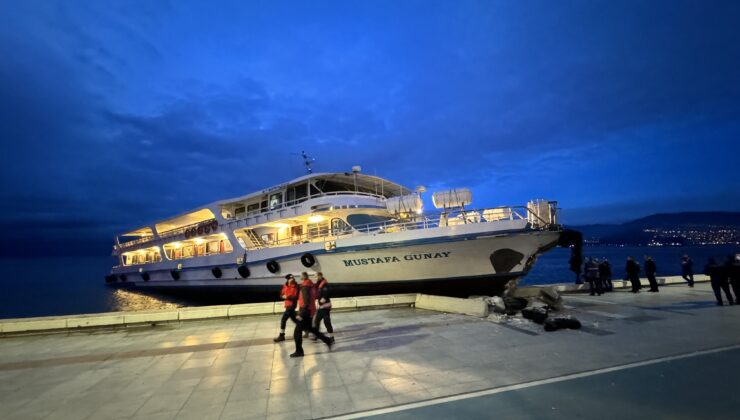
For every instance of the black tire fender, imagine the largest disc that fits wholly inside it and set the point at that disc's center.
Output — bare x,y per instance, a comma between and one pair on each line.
243,271
273,266
216,272
308,260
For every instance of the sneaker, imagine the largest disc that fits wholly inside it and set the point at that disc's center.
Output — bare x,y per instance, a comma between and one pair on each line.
330,342
313,338
279,338
296,354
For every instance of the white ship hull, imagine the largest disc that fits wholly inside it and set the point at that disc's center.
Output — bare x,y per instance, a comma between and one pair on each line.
457,256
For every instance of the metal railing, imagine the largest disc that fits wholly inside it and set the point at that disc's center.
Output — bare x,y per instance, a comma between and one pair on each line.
458,217
163,235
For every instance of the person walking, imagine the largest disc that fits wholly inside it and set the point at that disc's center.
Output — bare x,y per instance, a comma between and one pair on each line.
687,270
324,311
650,270
592,275
633,274
306,311
732,271
719,281
289,293
605,275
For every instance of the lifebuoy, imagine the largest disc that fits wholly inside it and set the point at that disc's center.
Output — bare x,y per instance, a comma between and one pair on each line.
122,277
145,276
187,233
308,260
214,225
273,266
243,271
207,229
216,272
175,274
200,230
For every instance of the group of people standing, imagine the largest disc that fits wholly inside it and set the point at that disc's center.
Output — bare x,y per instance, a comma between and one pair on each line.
722,276
632,271
307,304
598,274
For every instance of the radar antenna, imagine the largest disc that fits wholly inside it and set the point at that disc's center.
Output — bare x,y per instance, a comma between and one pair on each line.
307,160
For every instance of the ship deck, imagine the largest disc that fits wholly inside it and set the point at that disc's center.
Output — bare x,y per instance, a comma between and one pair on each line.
669,354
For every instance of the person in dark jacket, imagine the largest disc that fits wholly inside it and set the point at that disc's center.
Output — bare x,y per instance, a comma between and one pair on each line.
323,313
687,270
632,268
592,275
575,265
650,270
718,278
290,294
732,270
605,275
306,311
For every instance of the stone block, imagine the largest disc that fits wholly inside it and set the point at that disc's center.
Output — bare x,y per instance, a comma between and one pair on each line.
203,312
144,317
33,324
472,307
95,320
370,301
404,299
344,303
266,308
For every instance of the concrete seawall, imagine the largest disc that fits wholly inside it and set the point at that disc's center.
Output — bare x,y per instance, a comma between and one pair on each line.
445,304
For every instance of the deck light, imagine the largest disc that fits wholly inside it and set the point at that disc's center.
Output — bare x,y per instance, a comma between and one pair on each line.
315,218
199,241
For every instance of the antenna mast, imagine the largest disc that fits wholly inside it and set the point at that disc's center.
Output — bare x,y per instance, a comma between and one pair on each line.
307,161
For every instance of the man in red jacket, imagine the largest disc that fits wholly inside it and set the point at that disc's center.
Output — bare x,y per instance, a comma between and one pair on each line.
290,294
324,311
306,310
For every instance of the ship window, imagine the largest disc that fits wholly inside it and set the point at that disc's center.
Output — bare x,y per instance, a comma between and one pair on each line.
360,220
263,206
314,190
253,207
296,194
331,186
338,226
239,210
276,201
268,238
316,230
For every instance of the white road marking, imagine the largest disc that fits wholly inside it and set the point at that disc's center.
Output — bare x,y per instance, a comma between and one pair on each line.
605,314
525,385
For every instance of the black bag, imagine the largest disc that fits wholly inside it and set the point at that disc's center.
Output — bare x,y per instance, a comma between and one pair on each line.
538,315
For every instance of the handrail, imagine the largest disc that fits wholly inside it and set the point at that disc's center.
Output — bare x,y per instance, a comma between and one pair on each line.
395,225
163,235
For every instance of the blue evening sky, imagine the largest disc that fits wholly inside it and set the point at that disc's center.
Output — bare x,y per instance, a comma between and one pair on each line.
116,113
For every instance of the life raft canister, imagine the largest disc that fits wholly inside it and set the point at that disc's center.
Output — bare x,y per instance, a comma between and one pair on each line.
145,276
200,230
243,271
216,272
308,260
175,274
273,266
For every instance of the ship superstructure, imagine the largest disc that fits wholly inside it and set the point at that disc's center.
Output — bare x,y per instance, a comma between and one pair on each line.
363,232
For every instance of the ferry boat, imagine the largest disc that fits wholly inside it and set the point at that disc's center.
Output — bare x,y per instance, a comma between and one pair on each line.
368,235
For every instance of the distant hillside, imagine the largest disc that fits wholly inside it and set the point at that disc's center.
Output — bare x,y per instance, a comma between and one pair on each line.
669,228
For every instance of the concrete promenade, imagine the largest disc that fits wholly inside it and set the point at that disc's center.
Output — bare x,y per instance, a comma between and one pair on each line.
384,360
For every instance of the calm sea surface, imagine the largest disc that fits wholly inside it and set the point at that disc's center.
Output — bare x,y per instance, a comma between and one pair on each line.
64,286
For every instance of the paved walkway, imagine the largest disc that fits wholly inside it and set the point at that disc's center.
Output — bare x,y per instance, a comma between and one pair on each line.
384,358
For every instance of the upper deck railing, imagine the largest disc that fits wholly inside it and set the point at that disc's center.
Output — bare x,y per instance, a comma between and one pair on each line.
453,218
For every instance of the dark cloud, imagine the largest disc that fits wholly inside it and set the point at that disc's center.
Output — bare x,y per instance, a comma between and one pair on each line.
116,114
